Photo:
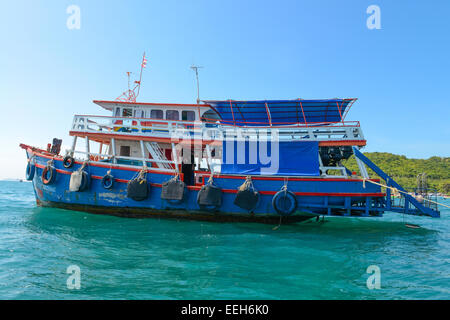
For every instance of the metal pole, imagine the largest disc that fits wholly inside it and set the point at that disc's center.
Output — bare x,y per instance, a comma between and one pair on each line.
209,158
142,152
74,143
195,68
87,148
140,76
113,148
175,157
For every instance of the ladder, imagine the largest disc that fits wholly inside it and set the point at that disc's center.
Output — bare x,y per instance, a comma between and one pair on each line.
420,209
158,155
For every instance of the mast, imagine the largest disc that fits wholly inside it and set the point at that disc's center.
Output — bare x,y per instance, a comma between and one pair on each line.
143,64
131,95
195,68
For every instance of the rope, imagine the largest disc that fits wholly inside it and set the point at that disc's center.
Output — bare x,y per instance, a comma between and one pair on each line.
176,177
211,178
278,226
142,173
396,191
83,166
248,184
285,189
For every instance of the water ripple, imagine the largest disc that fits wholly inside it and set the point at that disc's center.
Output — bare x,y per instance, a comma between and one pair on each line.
168,259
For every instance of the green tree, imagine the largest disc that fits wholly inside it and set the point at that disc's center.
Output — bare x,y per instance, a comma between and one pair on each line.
405,170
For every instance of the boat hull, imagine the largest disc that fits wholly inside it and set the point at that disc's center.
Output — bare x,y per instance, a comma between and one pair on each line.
315,196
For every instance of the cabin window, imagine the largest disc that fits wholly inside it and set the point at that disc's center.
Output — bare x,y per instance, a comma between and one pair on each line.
172,115
117,114
138,113
157,114
127,113
188,115
124,151
210,116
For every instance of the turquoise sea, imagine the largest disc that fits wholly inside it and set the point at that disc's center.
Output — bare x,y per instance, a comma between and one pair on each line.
123,258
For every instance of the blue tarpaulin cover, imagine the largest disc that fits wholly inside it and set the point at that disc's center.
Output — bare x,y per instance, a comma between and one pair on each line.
291,158
281,112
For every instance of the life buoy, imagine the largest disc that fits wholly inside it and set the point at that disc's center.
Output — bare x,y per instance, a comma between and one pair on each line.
284,202
107,181
31,169
48,175
68,162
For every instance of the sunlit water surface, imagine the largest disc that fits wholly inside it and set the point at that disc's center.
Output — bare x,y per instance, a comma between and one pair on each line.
123,258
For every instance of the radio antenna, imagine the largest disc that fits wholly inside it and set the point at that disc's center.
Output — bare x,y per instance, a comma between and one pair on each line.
195,68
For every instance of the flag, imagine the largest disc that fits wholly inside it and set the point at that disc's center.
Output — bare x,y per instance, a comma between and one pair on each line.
144,62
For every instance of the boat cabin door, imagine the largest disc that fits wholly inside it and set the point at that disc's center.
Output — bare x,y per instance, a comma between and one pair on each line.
188,166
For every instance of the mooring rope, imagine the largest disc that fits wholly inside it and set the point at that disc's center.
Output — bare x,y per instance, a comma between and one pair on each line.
396,191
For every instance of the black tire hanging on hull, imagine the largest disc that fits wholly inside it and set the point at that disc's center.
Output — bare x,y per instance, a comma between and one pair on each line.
284,202
137,189
209,197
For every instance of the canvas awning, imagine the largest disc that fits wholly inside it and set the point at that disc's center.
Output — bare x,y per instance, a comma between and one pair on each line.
281,112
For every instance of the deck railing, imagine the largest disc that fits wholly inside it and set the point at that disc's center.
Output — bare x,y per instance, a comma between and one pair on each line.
127,126
428,198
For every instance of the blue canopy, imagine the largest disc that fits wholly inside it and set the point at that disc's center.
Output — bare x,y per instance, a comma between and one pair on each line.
281,112
284,158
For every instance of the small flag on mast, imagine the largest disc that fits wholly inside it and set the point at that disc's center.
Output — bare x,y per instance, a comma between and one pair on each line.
144,62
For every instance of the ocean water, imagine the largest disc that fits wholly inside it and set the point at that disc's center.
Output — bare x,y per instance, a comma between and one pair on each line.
123,258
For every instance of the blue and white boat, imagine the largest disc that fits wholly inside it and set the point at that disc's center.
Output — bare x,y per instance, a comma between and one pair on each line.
216,160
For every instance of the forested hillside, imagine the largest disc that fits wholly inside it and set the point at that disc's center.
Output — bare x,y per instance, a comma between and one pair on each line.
405,170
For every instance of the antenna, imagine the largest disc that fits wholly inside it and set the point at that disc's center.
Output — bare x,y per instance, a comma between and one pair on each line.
130,95
195,68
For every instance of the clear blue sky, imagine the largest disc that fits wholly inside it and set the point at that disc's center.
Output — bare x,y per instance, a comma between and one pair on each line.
250,50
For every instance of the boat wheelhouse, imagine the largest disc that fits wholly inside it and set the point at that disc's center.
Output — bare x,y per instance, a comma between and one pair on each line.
216,160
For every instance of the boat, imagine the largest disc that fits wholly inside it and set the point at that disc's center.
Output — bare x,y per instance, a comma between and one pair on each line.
216,160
